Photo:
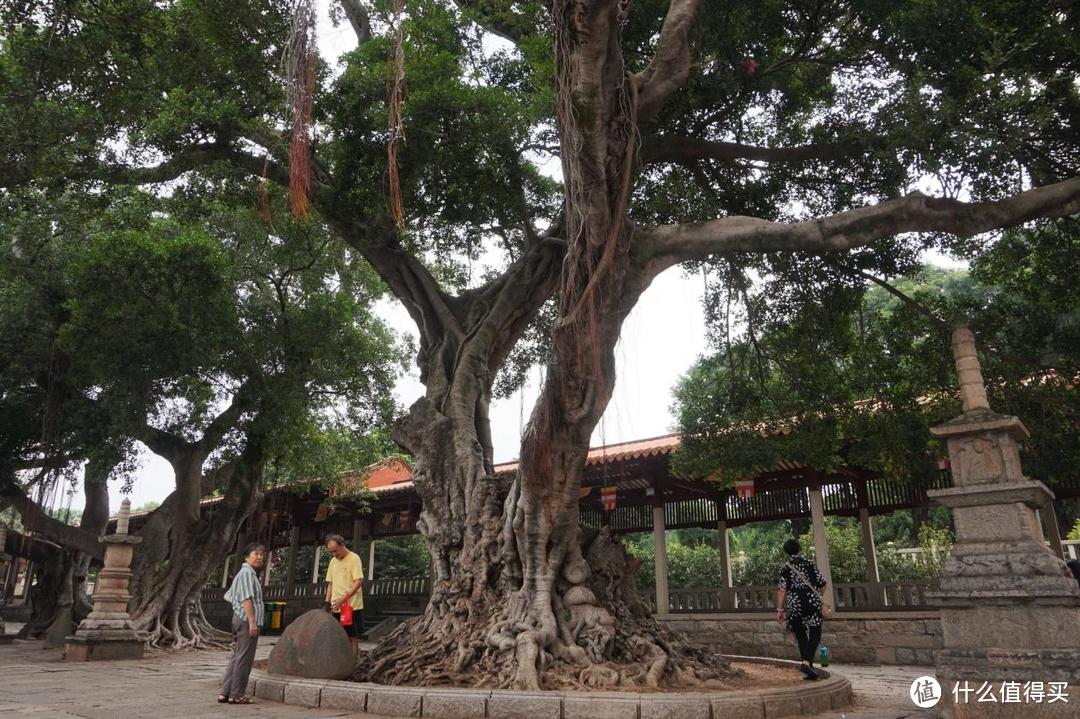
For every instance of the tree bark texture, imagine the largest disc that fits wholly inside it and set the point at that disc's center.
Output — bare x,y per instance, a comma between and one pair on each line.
183,543
524,598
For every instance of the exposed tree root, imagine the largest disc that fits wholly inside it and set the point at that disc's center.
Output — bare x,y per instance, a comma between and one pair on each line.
600,636
182,627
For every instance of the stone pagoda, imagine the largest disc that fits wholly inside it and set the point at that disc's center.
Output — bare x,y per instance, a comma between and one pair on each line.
1010,609
107,633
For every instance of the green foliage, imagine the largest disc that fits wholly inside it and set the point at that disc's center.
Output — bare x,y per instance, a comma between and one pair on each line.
757,555
924,566
689,565
900,527
161,310
979,96
94,89
857,377
405,556
1074,533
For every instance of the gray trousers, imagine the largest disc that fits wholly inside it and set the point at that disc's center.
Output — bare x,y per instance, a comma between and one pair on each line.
243,656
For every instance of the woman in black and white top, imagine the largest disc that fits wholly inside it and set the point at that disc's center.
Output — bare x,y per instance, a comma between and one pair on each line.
799,605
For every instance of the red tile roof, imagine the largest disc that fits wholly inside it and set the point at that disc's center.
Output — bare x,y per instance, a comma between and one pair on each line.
619,452
607,454
390,473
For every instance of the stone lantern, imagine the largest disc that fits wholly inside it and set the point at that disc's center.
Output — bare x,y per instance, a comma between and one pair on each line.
1010,610
107,633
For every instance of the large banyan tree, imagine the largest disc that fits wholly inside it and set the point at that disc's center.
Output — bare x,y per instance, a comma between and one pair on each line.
749,137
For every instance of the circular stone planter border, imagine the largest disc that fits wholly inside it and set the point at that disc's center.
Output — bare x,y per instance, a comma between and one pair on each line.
831,692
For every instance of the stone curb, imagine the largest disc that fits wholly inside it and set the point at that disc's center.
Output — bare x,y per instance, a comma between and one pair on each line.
831,693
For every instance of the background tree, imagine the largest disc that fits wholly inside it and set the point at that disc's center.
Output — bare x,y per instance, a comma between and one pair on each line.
859,380
223,343
770,137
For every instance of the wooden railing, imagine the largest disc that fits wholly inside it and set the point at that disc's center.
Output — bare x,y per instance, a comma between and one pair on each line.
390,587
849,597
710,600
1071,548
396,587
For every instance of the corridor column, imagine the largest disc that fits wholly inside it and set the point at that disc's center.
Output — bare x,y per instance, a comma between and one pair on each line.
663,601
821,545
724,550
371,556
6,561
315,565
225,572
266,567
290,567
873,577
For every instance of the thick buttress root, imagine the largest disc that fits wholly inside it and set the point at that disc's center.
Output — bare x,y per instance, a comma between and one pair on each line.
183,628
593,633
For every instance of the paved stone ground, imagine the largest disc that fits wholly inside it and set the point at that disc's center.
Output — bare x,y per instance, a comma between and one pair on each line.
36,684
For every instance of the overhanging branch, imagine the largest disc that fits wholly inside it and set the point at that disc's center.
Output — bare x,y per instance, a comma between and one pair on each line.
689,150
191,158
657,248
34,518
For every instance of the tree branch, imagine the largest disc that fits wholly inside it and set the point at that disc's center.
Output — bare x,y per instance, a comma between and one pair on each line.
657,248
35,519
495,16
671,65
688,150
186,160
908,300
358,18
163,444
190,158
225,421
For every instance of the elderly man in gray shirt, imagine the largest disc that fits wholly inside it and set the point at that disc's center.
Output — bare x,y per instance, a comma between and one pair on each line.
245,594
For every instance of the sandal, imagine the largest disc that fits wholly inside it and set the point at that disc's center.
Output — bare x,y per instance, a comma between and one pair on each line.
241,700
222,699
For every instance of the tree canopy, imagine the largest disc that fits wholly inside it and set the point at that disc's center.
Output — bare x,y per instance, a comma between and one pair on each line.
859,378
779,140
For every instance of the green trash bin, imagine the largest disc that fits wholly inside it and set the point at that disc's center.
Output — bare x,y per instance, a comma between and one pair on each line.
268,610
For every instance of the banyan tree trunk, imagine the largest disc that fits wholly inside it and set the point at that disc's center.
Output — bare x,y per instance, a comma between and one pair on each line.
58,599
524,597
181,546
50,591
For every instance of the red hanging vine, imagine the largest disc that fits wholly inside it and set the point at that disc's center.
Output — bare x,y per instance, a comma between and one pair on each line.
299,61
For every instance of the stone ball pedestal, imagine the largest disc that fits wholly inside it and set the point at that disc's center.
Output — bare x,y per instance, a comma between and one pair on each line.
107,632
1010,610
313,646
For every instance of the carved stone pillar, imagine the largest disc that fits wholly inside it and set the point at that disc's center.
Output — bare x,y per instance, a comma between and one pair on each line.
1010,611
107,633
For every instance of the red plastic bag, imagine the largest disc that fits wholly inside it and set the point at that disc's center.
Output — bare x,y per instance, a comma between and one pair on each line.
346,614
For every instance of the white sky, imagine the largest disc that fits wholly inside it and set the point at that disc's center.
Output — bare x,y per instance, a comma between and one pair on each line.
663,336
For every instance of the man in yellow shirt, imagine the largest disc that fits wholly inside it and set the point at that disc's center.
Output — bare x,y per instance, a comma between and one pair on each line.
344,578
